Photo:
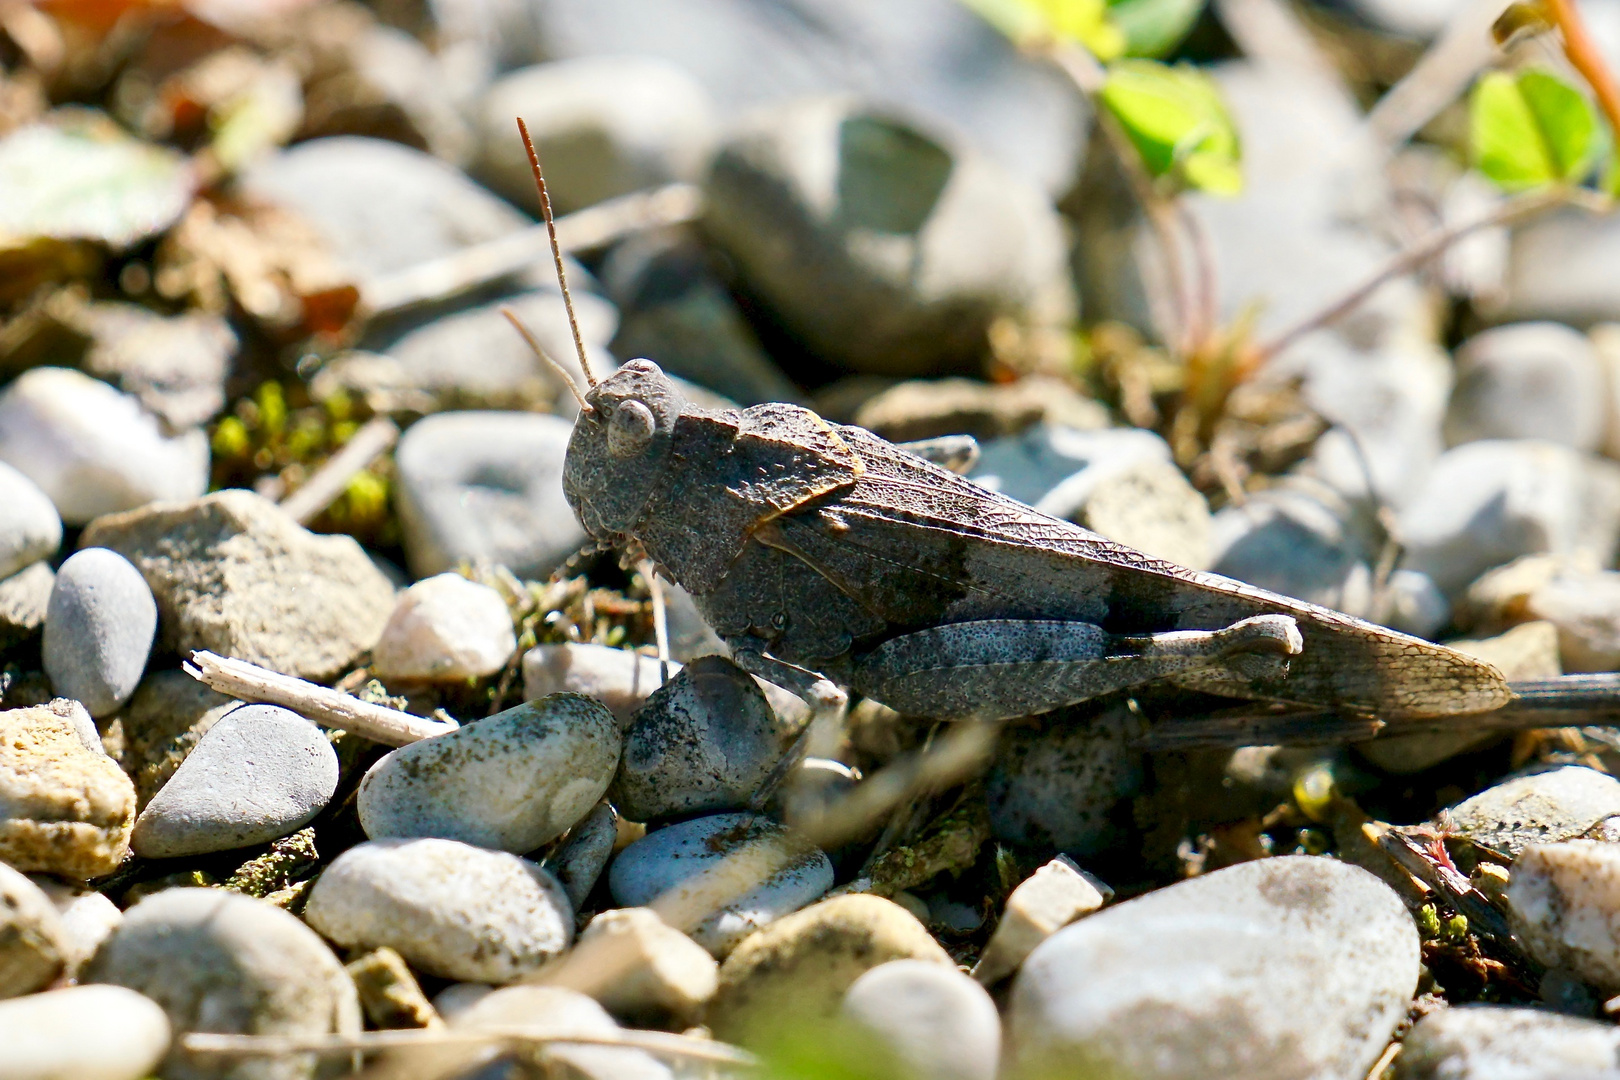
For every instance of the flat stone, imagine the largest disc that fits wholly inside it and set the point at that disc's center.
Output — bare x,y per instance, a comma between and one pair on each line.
579,862
450,909
702,743
1057,780
618,678
164,720
1045,902
559,1011
1538,808
83,1032
486,486
92,449
938,1023
30,529
1492,1042
234,574
445,629
65,806
666,869
219,961
99,627
797,970
34,945
1563,903
514,781
1290,967
260,773
638,967
24,598
1539,380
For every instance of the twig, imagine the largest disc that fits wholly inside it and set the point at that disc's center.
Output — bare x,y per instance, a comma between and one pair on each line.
480,264
653,1042
1385,1060
1585,58
320,490
250,682
1440,75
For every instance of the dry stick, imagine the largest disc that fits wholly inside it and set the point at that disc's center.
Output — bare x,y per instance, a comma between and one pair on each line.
478,265
1440,75
1584,56
320,490
556,248
334,708
653,1042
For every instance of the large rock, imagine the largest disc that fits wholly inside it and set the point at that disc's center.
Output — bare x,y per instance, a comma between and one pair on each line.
1292,967
65,806
99,627
235,575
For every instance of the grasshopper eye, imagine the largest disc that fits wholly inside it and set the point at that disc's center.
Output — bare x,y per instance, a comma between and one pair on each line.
630,429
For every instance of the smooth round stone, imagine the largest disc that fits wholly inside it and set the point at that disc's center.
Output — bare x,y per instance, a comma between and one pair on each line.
938,1022
168,715
1489,1042
1540,808
220,961
1290,967
1539,380
92,449
34,945
82,1033
703,742
99,627
259,773
514,781
1564,904
445,629
486,486
668,863
452,910
30,529
1056,785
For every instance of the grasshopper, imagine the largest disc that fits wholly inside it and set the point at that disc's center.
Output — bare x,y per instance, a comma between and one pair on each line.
826,557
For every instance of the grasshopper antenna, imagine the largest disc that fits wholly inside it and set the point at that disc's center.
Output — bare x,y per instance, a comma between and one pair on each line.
539,350
556,250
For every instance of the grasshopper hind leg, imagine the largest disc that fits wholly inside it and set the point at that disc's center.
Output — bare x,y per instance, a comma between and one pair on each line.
1003,668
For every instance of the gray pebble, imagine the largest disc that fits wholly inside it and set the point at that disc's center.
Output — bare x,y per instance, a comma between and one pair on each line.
513,782
451,909
585,854
82,1033
34,945
259,773
1539,808
219,961
1053,467
667,863
30,529
1057,780
1539,380
702,743
1300,538
1289,967
485,486
618,678
938,1022
1490,1042
99,628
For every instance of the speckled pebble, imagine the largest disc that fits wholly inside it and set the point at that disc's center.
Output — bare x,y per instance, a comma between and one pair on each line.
1564,904
1488,1042
451,909
65,806
445,629
618,678
259,773
1057,780
82,1033
1538,808
30,529
579,862
665,866
513,781
938,1023
34,944
99,627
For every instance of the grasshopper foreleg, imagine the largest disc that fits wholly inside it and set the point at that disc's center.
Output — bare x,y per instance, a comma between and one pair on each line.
1002,668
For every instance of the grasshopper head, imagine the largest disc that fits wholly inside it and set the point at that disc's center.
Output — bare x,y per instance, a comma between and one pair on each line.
620,449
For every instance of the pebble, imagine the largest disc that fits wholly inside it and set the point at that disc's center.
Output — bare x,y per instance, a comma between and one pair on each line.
618,678
82,1033
88,917
34,945
603,126
167,716
1300,539
556,1010
1539,808
1584,609
92,449
176,366
702,743
1563,903
667,869
1057,780
639,968
389,994
1492,1042
1486,503
65,806
938,1023
1053,468
1150,506
932,408
797,970
512,782
1538,380
1562,266
579,862
30,529
234,574
445,629
457,998
24,598
1292,967
99,627
260,773
486,486
1045,902
899,265
452,910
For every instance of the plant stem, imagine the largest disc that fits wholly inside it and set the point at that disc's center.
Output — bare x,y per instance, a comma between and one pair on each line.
330,480
1584,56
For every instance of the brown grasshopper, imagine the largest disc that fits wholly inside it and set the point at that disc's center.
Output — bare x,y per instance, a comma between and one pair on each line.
824,555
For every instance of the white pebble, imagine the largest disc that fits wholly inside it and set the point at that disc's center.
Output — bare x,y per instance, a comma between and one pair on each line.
82,1033
445,629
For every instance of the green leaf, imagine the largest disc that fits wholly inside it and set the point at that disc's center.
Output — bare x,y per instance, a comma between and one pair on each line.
1531,130
1028,22
1153,28
1175,118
